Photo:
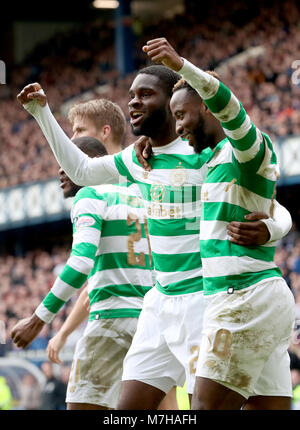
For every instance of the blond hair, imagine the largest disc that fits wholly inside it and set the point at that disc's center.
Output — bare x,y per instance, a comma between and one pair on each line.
102,112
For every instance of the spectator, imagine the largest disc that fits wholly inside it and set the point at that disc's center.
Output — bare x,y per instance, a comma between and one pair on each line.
30,398
295,373
263,82
54,392
5,395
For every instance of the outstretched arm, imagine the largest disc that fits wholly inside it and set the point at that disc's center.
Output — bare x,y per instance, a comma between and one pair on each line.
82,169
245,138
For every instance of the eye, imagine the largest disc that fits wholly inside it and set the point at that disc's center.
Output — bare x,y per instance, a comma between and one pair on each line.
146,94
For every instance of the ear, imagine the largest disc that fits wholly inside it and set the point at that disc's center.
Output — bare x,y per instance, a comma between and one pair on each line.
169,106
106,130
205,108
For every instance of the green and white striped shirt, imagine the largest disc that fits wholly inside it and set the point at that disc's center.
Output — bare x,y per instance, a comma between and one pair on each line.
241,178
171,195
111,249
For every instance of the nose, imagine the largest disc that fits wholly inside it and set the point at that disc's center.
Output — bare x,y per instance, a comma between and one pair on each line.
134,102
61,172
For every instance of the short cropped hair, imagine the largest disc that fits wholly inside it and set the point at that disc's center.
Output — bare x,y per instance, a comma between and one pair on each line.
168,78
102,112
90,145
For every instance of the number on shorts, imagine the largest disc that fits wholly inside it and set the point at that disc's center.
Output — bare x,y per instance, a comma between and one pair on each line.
139,259
75,363
194,351
222,342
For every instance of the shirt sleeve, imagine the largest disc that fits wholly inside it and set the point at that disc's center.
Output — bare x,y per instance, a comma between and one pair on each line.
80,168
280,224
87,216
246,139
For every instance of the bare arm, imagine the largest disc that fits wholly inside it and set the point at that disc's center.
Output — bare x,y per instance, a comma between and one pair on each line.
77,316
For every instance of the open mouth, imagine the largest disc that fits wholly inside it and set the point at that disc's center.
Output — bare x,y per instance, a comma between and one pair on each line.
63,184
135,117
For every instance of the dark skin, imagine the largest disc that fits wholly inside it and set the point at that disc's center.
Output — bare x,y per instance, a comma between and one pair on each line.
241,233
26,330
146,96
135,394
189,110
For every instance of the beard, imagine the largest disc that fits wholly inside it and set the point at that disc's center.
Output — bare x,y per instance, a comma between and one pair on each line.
201,139
71,191
151,126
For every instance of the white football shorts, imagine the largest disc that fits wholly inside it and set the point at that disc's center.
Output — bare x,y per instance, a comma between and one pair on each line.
97,366
245,339
164,350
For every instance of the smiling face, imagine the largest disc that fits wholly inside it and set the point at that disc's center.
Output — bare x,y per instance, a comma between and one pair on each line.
68,187
191,119
148,106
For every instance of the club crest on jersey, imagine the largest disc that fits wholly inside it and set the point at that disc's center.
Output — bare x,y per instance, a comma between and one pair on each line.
178,176
157,192
84,221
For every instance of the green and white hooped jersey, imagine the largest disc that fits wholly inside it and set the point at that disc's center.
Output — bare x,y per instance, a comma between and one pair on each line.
171,194
111,249
241,178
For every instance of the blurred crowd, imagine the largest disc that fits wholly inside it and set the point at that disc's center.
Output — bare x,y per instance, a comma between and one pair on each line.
80,60
25,281
70,64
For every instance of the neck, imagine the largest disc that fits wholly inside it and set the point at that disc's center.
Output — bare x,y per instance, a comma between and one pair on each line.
164,135
113,148
219,135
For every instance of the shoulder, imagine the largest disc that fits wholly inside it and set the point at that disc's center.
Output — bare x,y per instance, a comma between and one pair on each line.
89,200
126,153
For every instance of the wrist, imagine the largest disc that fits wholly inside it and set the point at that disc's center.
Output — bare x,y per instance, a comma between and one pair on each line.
180,65
64,333
37,321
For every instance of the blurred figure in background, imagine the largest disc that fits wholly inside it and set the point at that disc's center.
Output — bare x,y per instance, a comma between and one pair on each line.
5,395
54,392
30,393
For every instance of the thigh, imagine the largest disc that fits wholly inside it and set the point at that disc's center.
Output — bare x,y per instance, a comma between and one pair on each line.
211,395
84,407
96,371
275,378
137,395
268,403
183,321
241,331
